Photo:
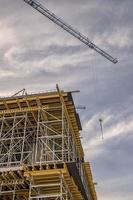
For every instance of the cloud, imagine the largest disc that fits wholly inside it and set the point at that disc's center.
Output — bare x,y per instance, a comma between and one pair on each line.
7,34
36,54
125,183
118,129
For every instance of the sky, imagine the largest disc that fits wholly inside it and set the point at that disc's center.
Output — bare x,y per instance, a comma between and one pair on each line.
36,54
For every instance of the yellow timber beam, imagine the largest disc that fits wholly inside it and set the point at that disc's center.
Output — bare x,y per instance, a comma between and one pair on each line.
77,141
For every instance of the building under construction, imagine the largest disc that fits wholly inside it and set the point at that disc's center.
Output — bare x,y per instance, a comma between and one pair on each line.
41,155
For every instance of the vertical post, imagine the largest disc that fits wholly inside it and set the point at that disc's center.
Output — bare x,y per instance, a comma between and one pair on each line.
46,143
1,187
33,153
74,151
53,149
11,142
23,143
61,187
37,139
62,132
41,156
66,196
68,135
1,130
30,190
14,192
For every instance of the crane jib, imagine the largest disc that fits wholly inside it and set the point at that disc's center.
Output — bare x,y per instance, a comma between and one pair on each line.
69,29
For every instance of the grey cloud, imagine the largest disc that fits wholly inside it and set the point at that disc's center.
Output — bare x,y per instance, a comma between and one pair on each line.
39,54
117,161
106,89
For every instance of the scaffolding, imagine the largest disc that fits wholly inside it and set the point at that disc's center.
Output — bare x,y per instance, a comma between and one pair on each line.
41,155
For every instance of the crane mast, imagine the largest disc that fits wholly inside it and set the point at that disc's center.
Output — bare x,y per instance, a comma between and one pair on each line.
47,13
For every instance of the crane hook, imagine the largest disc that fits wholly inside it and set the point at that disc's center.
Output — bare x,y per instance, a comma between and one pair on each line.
101,126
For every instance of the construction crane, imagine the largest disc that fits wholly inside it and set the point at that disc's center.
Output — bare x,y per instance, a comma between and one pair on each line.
47,13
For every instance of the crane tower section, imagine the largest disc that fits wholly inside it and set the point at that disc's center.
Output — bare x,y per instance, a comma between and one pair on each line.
41,156
47,13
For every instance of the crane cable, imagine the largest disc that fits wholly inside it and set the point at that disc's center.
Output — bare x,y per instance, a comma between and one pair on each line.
97,96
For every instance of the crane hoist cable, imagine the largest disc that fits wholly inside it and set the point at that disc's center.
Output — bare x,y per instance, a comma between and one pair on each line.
47,13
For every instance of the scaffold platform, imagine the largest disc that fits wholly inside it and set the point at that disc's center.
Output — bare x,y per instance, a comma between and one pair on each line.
41,155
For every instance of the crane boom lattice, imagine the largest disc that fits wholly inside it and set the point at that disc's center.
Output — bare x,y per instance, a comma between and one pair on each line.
47,13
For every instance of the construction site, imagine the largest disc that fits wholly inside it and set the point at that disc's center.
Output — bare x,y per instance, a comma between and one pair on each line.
41,155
